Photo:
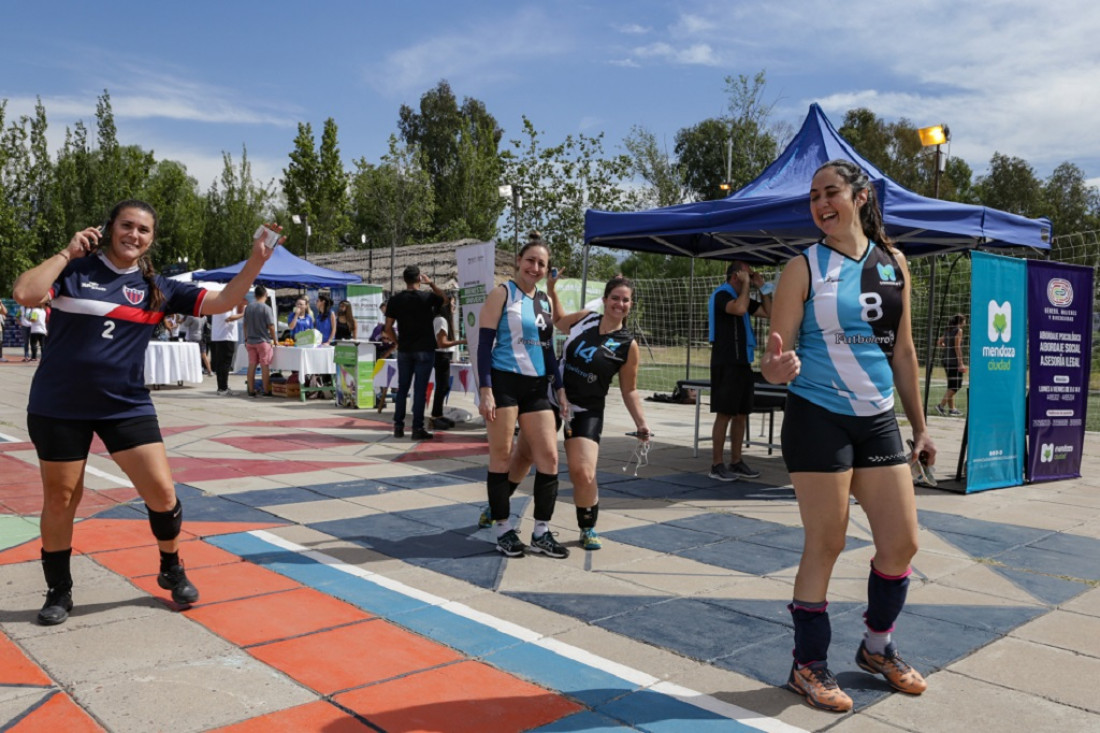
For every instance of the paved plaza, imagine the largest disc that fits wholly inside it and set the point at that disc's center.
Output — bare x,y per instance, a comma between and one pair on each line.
346,587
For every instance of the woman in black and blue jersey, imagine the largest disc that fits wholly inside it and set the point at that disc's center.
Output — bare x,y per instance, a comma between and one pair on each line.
847,300
515,367
107,299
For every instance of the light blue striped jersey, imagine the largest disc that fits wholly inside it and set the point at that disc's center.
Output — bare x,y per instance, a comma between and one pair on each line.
525,329
848,330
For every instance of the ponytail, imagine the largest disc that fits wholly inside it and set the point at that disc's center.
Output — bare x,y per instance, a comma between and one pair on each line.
156,297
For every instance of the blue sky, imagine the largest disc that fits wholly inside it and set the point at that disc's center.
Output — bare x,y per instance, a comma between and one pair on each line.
191,80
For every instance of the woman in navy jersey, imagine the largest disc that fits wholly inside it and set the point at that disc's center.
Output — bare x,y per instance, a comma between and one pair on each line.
598,348
847,300
107,299
515,366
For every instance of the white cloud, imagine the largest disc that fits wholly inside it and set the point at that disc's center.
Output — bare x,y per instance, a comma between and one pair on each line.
697,54
625,63
482,54
633,29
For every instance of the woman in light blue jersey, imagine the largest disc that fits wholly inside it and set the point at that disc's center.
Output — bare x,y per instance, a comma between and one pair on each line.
847,300
515,366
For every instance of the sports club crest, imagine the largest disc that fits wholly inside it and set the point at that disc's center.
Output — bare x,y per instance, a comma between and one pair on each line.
133,295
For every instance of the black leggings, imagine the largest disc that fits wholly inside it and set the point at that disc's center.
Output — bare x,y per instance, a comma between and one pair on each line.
442,381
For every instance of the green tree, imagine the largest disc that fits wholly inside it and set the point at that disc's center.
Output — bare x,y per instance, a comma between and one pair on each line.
181,215
701,151
332,220
302,185
235,205
392,201
1069,201
1011,186
661,172
459,146
559,183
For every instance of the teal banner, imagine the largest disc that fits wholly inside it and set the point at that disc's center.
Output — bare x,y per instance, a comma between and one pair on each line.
998,372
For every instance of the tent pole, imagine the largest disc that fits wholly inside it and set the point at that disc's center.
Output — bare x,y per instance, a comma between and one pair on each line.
584,276
930,346
691,318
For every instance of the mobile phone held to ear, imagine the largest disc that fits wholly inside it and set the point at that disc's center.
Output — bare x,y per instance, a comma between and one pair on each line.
270,236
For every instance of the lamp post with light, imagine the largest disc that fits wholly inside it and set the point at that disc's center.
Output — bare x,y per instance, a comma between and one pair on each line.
515,193
937,135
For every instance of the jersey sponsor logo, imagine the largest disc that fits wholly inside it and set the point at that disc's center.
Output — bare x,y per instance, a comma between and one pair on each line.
886,272
611,344
92,285
133,295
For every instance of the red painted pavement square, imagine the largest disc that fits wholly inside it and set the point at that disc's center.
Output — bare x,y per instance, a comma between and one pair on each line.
59,713
352,656
281,616
16,669
224,583
136,562
469,697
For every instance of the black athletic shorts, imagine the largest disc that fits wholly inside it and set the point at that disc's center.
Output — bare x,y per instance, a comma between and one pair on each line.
820,441
530,394
586,424
731,389
56,439
954,379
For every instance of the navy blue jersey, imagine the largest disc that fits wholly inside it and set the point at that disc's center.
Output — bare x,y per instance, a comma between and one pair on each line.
848,330
94,365
590,360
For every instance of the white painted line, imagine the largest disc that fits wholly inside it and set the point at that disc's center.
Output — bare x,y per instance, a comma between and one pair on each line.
110,477
581,656
5,438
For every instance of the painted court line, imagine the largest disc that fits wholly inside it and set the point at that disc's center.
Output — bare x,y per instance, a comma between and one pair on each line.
88,468
565,651
5,438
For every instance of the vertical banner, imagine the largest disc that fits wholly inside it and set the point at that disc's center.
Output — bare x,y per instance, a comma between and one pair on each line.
998,372
354,374
476,273
1060,336
366,306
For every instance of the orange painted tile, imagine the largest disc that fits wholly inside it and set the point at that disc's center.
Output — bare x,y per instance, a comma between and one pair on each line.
17,669
58,713
224,582
29,550
25,506
316,716
352,656
281,616
97,535
469,697
135,562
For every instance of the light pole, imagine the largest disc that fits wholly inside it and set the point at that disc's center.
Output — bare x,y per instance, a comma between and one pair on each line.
303,219
370,258
508,191
936,135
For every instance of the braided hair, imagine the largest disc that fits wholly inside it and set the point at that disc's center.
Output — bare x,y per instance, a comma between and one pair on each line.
870,215
148,272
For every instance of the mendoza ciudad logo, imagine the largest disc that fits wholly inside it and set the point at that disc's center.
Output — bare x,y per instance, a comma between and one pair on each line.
1000,333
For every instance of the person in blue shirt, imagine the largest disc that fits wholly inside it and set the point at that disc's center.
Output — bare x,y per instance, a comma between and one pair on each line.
326,319
847,300
301,319
106,301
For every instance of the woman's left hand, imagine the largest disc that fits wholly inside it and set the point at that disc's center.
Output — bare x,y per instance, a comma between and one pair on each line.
922,444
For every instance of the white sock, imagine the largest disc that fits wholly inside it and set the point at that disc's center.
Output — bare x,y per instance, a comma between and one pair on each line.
876,642
502,527
541,528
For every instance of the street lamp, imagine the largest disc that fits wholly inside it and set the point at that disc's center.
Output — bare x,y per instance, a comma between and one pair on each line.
508,191
303,219
936,135
370,258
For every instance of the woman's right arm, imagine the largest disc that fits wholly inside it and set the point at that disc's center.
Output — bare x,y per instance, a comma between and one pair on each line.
958,347
32,288
780,364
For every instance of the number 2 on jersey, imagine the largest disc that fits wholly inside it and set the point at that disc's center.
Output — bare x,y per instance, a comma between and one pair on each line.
108,329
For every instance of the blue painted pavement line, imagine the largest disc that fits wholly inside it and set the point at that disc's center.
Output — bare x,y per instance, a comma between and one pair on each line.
616,694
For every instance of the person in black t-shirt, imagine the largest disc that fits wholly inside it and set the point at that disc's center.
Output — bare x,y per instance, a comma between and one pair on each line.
414,311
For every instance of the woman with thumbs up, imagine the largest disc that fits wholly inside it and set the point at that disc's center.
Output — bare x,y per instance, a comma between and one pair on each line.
847,301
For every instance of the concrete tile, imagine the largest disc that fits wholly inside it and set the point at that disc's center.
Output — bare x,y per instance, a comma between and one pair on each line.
1088,603
1056,674
232,687
673,575
321,511
400,500
659,663
1066,630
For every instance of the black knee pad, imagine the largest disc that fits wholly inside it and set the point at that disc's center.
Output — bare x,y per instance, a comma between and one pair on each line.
166,525
546,495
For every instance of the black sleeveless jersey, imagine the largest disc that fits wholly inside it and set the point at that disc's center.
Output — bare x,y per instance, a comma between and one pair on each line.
590,360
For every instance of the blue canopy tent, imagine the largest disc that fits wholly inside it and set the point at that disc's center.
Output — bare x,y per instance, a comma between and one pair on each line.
283,270
768,221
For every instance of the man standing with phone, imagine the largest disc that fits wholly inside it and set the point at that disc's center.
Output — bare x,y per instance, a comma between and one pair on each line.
413,310
733,347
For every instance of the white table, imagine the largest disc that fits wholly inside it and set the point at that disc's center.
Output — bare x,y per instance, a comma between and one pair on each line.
172,362
462,376
305,361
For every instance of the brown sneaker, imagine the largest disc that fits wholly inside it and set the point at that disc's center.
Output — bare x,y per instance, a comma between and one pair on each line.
820,688
897,672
